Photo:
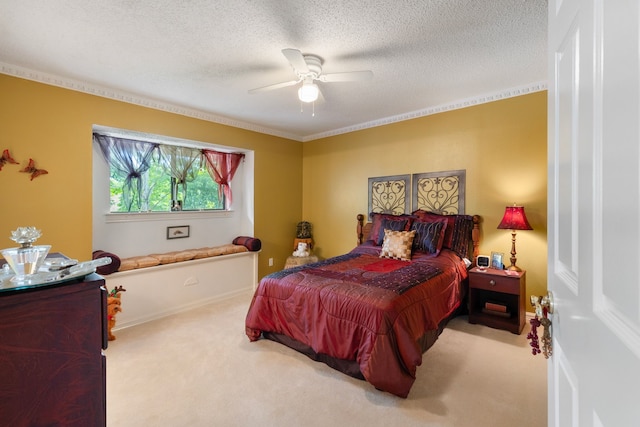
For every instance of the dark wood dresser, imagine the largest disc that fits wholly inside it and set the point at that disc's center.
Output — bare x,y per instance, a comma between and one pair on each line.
52,368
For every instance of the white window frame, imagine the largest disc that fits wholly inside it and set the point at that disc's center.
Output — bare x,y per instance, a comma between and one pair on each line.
140,233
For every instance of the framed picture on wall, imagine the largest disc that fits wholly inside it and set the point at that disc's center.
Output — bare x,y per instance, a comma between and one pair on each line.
178,232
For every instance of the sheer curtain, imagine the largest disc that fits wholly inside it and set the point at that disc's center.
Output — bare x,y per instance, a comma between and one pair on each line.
181,163
131,159
222,167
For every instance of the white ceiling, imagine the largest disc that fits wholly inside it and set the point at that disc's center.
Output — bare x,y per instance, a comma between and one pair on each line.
200,57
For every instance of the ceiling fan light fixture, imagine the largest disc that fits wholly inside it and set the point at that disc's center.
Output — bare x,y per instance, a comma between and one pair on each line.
308,92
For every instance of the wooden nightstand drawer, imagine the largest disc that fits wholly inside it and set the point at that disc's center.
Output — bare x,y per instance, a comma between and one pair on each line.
508,285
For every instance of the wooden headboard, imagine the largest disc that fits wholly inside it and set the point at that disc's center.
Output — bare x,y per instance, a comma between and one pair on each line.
363,229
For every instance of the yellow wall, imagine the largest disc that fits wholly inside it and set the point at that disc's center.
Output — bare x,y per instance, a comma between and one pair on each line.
502,145
54,126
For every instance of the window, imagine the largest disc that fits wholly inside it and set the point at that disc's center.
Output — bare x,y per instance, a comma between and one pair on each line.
152,177
161,192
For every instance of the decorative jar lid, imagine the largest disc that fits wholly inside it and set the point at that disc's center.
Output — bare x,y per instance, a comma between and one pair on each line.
25,236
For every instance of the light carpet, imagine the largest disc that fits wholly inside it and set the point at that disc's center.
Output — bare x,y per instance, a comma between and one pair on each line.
198,368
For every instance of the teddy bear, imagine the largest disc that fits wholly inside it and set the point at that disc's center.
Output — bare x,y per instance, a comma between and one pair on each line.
302,251
114,305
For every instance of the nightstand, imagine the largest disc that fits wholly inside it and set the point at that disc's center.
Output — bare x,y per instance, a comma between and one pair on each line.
295,261
496,298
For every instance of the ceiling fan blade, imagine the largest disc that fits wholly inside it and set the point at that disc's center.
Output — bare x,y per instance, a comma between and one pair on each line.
352,76
274,86
296,59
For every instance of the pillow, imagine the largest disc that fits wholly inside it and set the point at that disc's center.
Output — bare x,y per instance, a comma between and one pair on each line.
184,255
137,262
376,224
226,249
389,224
109,268
146,261
457,234
200,253
164,258
429,236
397,244
128,264
250,243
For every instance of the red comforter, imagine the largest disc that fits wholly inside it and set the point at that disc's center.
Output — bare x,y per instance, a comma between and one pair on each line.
364,308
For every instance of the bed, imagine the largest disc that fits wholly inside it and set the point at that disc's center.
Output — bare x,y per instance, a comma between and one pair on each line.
372,312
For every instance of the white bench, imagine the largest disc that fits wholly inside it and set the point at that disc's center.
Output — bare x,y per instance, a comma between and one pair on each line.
156,291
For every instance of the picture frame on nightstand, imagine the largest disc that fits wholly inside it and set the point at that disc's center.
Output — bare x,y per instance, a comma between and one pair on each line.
496,260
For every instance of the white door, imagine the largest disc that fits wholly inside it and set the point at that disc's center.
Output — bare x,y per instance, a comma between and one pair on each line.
594,212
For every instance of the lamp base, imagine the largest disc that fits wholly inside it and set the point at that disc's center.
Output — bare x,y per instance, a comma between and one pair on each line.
514,268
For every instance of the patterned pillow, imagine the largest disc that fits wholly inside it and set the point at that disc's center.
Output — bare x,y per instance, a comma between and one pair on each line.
376,223
390,224
397,244
457,235
429,237
251,243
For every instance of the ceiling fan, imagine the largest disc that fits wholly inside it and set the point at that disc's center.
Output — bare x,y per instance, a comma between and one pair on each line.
308,69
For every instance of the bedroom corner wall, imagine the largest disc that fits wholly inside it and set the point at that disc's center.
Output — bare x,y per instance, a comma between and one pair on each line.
53,126
502,145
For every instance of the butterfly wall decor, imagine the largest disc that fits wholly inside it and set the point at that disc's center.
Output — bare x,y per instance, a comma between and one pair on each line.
6,158
31,168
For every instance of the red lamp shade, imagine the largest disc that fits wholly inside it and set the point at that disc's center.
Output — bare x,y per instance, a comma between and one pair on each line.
514,219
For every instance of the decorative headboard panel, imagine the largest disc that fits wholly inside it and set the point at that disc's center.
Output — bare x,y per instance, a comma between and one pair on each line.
389,194
439,192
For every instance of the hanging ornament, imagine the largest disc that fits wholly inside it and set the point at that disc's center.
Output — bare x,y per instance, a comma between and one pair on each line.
6,158
31,168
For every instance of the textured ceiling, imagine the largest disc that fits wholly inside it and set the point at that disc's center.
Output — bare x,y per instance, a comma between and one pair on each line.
200,57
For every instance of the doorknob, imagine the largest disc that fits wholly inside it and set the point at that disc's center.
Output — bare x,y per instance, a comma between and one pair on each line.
543,304
547,302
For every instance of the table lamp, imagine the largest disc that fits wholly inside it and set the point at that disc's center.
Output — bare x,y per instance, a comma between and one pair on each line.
514,219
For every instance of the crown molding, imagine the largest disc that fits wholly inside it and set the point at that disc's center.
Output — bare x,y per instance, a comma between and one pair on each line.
131,98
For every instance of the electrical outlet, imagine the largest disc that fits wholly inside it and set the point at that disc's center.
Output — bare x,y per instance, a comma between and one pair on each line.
270,262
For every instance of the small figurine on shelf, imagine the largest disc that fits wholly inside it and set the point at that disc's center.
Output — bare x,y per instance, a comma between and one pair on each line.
303,235
303,230
113,307
302,250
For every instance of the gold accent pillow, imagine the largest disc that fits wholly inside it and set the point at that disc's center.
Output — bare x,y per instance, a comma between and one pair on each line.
397,244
